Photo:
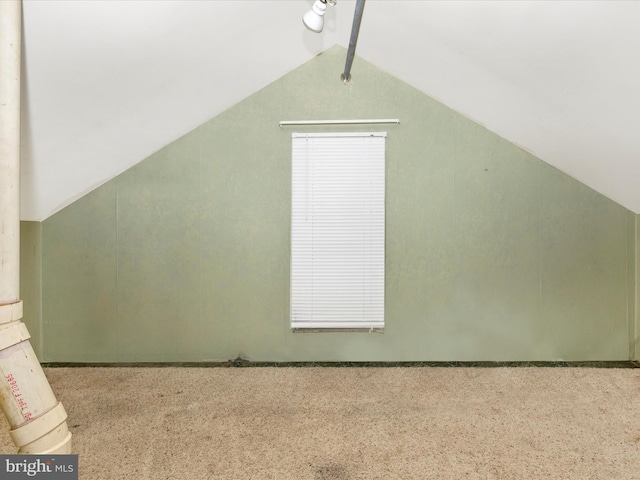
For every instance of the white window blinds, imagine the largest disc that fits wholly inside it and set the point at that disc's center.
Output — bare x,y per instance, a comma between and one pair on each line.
337,230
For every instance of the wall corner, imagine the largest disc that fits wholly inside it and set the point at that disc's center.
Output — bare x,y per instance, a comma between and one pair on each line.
31,281
635,298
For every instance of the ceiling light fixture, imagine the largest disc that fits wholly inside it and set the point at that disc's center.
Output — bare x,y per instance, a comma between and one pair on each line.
314,18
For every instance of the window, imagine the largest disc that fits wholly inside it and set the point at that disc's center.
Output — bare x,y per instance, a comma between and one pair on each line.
337,230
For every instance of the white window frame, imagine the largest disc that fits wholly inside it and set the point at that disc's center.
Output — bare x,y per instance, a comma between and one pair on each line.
338,231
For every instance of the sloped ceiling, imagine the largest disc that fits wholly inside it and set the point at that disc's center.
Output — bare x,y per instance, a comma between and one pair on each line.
106,82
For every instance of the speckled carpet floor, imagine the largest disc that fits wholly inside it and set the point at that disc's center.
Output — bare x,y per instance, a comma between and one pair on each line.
322,423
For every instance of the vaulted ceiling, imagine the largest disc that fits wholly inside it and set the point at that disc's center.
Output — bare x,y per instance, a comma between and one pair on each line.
108,82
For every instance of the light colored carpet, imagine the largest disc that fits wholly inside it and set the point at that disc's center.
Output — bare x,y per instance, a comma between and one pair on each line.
351,423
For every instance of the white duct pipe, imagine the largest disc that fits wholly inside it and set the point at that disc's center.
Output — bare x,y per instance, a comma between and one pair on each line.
37,419
9,151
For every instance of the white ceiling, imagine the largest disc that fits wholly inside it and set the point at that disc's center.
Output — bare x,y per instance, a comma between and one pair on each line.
107,82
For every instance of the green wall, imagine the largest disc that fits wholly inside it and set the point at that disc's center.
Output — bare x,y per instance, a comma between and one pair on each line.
30,284
634,287
491,253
